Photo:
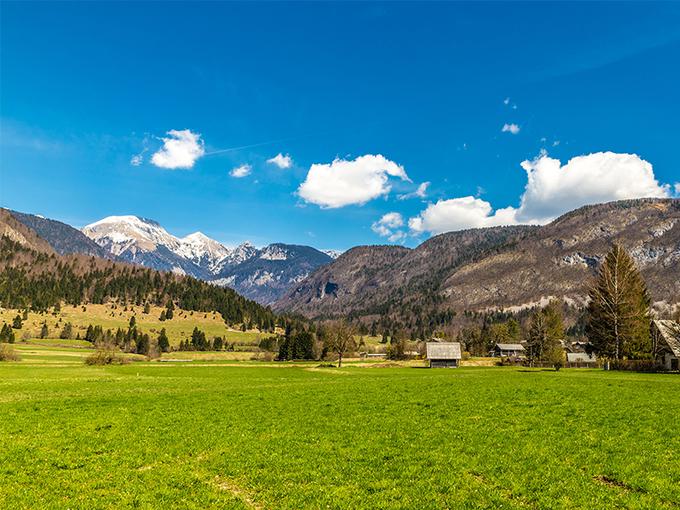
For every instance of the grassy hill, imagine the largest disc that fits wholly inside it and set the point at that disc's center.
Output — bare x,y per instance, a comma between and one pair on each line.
113,316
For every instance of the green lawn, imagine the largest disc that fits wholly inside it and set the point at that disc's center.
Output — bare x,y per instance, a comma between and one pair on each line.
205,435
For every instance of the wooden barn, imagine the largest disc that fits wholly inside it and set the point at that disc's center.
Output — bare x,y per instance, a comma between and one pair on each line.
581,360
443,354
666,337
508,351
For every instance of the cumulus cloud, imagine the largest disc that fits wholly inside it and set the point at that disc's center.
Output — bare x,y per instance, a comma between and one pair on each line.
677,188
421,192
281,161
388,226
459,214
551,190
136,160
241,171
180,149
346,182
510,128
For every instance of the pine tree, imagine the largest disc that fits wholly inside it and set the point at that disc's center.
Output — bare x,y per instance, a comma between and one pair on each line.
618,312
66,332
163,342
44,331
17,323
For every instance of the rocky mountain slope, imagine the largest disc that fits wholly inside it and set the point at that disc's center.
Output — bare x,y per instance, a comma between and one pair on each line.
63,238
263,275
501,267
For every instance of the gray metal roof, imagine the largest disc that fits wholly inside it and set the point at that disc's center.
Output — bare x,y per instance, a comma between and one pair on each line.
580,357
670,332
443,350
510,347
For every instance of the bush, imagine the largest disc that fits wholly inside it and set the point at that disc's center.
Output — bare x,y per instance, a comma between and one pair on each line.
7,353
105,357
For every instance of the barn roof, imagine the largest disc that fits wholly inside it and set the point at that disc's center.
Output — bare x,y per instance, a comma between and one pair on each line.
670,333
443,350
510,347
580,357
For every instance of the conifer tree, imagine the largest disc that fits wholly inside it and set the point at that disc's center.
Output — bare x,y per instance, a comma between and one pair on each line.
619,309
66,332
163,342
44,331
17,323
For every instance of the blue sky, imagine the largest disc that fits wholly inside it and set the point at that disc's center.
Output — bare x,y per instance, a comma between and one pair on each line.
399,94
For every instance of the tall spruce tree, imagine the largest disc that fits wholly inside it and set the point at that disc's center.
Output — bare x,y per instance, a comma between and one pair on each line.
618,312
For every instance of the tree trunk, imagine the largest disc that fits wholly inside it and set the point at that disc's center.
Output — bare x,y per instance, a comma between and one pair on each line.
340,360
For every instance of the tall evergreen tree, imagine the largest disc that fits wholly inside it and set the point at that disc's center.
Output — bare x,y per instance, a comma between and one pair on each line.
619,309
163,342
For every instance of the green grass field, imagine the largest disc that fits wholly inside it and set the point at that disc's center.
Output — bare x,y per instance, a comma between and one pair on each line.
247,435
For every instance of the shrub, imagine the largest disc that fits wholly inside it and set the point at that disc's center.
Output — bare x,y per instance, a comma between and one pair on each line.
7,353
105,357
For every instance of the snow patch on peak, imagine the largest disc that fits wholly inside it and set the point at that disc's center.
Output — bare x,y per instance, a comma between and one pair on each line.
334,254
273,252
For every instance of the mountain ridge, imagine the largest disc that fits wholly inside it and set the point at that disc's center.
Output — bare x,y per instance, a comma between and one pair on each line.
497,268
142,241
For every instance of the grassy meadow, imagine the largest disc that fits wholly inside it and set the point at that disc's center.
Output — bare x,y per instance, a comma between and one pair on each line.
224,434
113,316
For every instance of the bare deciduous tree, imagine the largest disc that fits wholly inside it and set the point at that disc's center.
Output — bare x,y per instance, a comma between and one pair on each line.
340,339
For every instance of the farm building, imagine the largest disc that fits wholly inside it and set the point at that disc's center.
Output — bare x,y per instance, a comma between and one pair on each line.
508,350
443,354
666,336
581,360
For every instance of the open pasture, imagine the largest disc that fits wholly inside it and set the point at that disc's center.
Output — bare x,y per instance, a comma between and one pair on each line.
113,316
243,435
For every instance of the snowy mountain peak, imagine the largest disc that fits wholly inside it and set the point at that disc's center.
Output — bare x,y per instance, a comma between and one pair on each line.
121,233
262,274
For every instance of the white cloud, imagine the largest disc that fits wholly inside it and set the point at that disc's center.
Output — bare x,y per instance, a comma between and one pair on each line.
281,161
345,182
136,160
388,226
459,214
677,188
241,171
510,128
551,190
420,192
180,149
506,101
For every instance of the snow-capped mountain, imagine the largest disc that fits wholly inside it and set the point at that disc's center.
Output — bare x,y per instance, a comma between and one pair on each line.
260,274
203,251
334,254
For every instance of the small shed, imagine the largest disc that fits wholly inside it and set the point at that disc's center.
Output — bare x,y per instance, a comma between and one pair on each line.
666,336
581,359
443,354
508,350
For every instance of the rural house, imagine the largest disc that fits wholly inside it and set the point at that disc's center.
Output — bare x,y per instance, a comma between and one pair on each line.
508,350
443,354
666,337
581,360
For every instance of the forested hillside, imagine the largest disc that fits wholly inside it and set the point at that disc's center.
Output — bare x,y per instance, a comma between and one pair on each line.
39,279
